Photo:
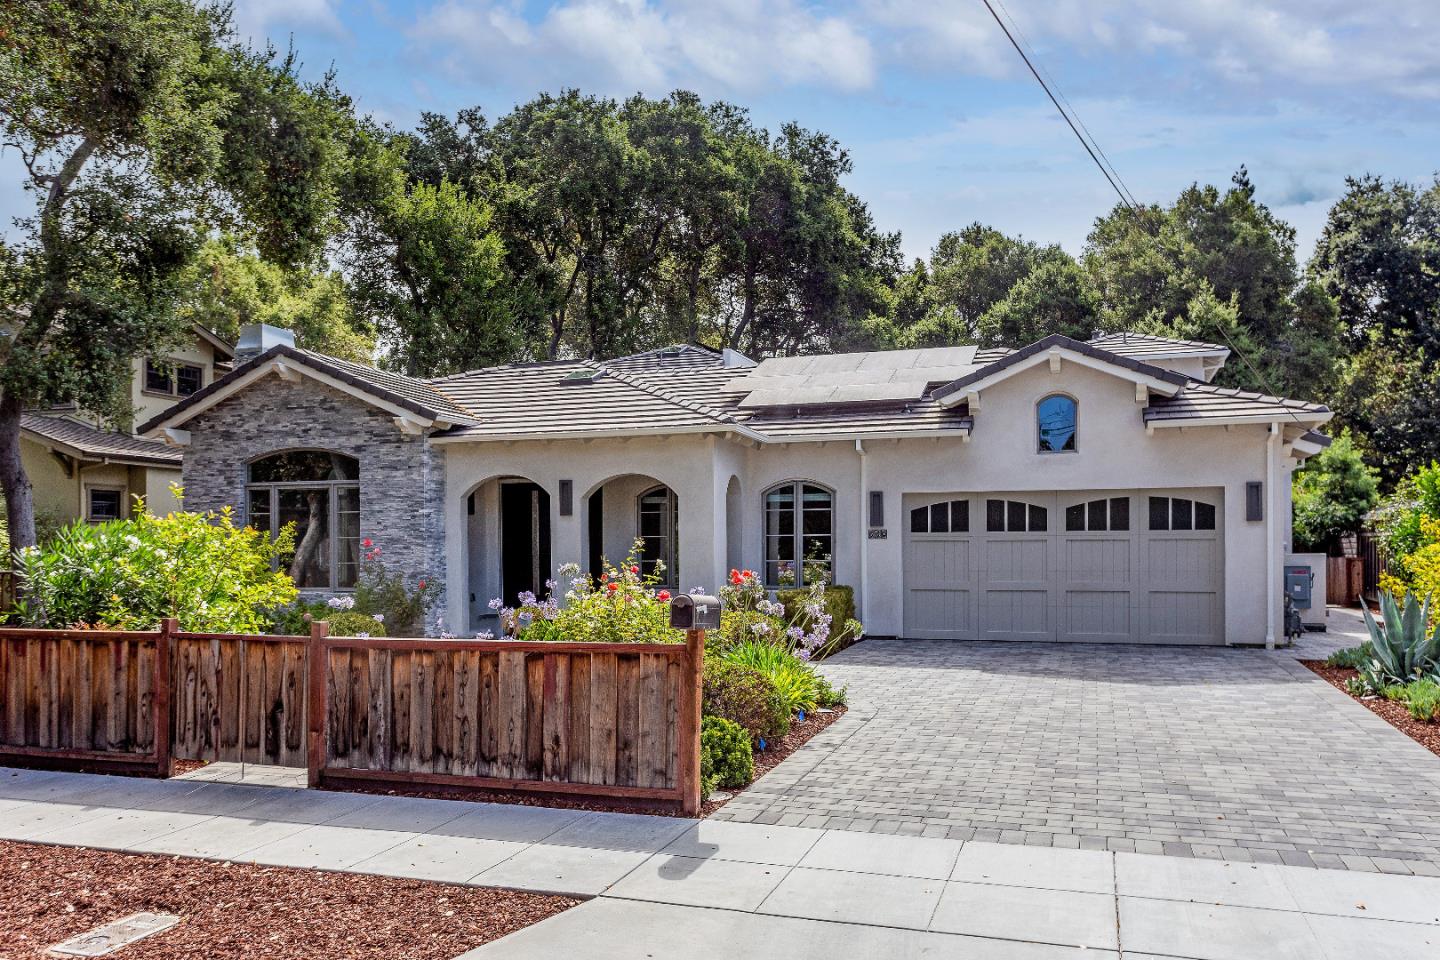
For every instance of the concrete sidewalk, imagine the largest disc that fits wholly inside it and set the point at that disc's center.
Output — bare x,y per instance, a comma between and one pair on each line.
683,889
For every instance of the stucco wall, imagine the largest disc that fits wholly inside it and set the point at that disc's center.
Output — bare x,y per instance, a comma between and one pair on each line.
1114,453
147,404
401,482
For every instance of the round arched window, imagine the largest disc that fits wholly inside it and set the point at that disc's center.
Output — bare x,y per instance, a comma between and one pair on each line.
1055,424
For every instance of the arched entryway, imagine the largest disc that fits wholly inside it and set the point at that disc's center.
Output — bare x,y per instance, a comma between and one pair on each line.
508,544
628,509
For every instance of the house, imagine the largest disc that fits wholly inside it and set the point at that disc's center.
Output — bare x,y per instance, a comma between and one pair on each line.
1075,491
81,468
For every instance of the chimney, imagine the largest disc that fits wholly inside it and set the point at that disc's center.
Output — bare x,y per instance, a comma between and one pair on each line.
256,338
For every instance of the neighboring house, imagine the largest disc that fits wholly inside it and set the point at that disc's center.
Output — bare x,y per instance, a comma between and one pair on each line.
81,469
1102,491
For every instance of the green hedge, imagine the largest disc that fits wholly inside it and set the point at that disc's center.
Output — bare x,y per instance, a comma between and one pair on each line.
839,603
745,697
726,757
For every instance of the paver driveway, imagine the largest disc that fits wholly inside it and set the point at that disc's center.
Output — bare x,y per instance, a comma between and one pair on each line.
1222,753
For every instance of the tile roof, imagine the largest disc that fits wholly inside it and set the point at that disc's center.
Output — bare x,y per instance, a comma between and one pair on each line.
1206,401
89,443
1067,343
1149,345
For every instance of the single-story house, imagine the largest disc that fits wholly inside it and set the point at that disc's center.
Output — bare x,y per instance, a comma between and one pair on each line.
1101,491
82,468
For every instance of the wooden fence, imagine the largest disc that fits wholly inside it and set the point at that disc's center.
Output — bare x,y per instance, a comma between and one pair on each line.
600,719
595,719
89,699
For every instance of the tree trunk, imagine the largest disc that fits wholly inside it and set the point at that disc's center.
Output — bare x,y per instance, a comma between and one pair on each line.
19,496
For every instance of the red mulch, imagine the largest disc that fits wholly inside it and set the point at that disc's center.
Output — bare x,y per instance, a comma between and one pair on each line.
248,912
799,734
1425,733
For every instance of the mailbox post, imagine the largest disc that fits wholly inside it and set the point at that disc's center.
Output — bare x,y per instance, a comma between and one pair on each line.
694,613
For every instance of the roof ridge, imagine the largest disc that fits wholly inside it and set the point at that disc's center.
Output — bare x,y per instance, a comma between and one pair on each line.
417,381
694,406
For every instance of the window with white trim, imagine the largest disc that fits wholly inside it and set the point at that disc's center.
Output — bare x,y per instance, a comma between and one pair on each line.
318,492
799,534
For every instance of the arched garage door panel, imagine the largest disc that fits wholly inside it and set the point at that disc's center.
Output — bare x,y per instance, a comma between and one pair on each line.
1102,567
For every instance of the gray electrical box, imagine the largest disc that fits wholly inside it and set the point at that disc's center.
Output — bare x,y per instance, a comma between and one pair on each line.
695,611
1299,581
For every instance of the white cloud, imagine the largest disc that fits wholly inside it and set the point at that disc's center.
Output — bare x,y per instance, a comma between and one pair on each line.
254,19
625,45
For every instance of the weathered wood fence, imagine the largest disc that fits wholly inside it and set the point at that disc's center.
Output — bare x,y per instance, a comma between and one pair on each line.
87,698
595,719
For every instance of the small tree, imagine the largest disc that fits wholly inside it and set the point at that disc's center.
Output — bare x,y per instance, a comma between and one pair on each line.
1332,493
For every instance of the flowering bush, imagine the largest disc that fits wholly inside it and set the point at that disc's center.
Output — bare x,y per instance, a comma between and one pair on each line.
381,592
130,574
619,606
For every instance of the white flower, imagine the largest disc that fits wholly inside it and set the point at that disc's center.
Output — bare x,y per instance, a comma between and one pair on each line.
484,635
569,569
133,541
378,617
340,603
361,634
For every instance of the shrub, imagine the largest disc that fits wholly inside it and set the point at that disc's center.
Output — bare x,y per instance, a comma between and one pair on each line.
838,603
130,574
726,757
618,606
1352,658
378,590
1422,699
745,697
804,628
1403,650
352,623
294,620
797,683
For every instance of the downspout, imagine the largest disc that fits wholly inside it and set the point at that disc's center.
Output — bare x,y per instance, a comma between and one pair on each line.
864,528
1271,445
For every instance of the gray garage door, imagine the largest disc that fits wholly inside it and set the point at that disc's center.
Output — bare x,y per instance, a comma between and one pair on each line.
1132,566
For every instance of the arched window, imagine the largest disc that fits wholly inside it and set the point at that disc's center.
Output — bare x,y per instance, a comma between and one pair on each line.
318,492
799,534
1055,423
659,522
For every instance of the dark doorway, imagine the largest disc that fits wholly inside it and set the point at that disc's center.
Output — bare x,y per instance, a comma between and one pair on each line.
524,540
596,533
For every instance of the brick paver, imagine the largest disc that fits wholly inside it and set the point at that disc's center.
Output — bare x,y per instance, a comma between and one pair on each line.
1231,754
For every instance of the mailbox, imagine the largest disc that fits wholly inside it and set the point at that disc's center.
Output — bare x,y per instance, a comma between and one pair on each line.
695,611
1298,583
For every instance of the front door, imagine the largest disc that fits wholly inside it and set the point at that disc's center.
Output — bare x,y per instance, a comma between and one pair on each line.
524,540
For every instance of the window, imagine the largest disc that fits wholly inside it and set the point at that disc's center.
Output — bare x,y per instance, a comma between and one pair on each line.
1055,424
659,522
173,379
1111,514
319,493
104,503
799,534
948,516
1015,516
1178,513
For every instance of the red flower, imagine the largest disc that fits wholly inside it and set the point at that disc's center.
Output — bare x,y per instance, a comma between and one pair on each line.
735,577
634,569
663,596
604,578
612,587
367,543
422,584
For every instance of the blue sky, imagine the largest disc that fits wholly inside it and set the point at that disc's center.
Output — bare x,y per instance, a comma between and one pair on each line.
944,124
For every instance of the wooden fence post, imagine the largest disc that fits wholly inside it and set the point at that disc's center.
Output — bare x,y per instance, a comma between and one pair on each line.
161,698
689,733
315,706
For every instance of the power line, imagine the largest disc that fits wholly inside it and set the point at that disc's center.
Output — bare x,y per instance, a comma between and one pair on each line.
1066,116
1055,85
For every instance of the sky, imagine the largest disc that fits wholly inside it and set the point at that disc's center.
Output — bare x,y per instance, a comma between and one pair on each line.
944,123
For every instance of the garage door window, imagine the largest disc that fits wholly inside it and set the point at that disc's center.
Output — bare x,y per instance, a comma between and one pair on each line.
948,516
1178,513
1015,516
1104,514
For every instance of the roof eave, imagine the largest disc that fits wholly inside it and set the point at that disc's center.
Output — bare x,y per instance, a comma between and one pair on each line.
462,436
1257,419
1165,382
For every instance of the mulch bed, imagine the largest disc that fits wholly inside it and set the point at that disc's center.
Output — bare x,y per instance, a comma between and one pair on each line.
235,911
800,733
1395,714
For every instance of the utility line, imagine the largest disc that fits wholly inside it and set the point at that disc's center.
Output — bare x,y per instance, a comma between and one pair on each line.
1066,116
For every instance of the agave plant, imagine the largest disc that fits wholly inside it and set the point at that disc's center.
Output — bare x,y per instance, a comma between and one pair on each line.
1404,649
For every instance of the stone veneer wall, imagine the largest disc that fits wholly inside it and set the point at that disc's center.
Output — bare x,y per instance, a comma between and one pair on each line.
401,476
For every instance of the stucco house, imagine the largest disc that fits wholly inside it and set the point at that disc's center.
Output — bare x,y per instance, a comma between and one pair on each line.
82,468
1100,491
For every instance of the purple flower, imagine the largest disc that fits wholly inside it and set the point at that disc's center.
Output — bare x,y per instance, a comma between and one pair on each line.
496,603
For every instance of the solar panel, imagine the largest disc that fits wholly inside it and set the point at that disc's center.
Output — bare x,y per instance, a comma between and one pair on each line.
851,377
